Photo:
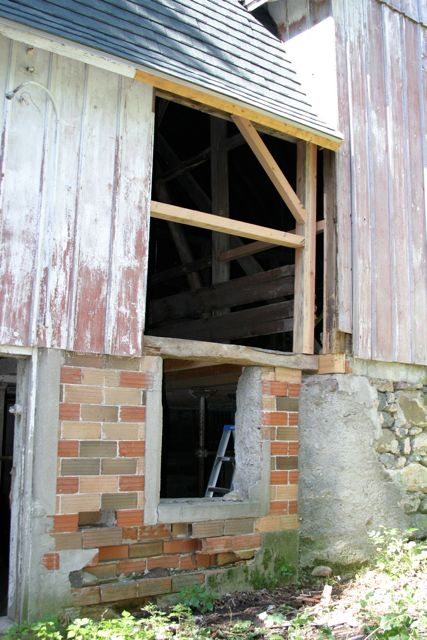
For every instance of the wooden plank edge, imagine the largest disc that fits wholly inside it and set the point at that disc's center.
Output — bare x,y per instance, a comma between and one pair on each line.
202,220
221,103
333,363
181,349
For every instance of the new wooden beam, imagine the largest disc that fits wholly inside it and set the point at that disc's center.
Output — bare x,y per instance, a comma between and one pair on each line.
305,259
271,168
332,363
222,104
179,349
256,247
171,213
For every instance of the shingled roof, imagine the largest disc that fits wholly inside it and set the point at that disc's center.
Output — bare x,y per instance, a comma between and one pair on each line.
216,45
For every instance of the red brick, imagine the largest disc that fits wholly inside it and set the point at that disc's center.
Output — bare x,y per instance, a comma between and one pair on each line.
230,543
204,560
129,566
153,586
188,562
72,375
85,596
130,533
67,485
135,379
279,448
294,390
69,411
132,414
275,418
51,561
65,524
68,449
181,546
163,562
131,448
131,483
280,477
130,517
154,532
293,418
249,541
275,388
116,552
281,506
293,448
293,506
293,477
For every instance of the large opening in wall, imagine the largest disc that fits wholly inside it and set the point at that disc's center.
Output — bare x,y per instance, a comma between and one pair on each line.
211,286
8,380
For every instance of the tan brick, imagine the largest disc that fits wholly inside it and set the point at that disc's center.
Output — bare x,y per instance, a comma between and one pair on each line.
145,550
153,586
269,403
84,360
68,449
116,552
129,533
105,570
287,492
99,413
153,532
111,501
68,541
131,517
98,449
118,466
277,523
79,467
81,430
131,483
98,484
181,546
287,404
122,396
282,374
71,375
86,596
239,526
228,557
118,591
131,448
68,411
132,414
286,463
67,523
287,433
136,380
187,580
67,485
75,503
207,529
82,394
101,377
179,530
276,418
89,518
136,565
120,431
101,537
245,554
117,362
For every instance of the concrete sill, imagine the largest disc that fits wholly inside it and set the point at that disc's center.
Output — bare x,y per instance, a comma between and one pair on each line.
204,509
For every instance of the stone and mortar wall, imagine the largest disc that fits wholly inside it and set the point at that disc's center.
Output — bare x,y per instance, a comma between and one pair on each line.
100,493
363,455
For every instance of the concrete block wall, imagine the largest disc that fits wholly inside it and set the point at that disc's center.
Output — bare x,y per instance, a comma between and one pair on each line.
100,488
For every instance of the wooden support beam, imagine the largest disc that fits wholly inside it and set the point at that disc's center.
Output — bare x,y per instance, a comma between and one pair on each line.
179,349
214,375
265,286
171,213
180,270
305,259
271,168
332,363
251,248
260,321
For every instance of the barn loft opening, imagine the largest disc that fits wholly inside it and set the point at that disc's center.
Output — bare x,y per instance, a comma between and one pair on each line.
217,287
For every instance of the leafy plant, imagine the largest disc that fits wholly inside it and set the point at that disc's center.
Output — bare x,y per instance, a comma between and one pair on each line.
198,598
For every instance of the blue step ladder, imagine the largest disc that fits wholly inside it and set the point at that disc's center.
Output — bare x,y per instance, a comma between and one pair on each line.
220,458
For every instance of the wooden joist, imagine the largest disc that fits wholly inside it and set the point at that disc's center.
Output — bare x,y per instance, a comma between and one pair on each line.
261,321
180,270
171,213
271,168
212,375
195,350
265,286
256,247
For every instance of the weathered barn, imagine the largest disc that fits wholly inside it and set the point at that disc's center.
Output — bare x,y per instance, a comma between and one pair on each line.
194,220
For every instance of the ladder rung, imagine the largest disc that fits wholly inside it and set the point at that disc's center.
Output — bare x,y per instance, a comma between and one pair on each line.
226,458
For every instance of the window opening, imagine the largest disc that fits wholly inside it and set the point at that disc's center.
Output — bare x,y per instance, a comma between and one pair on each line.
8,369
197,289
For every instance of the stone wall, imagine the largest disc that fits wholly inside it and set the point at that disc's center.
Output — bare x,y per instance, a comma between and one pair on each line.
100,493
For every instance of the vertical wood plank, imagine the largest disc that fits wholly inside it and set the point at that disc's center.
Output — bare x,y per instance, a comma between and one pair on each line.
21,195
380,200
305,259
399,189
220,196
96,201
129,247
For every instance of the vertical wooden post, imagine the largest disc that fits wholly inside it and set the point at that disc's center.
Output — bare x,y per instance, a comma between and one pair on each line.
305,259
220,196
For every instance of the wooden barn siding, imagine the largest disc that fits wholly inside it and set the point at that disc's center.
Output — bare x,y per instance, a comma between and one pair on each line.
74,198
386,124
